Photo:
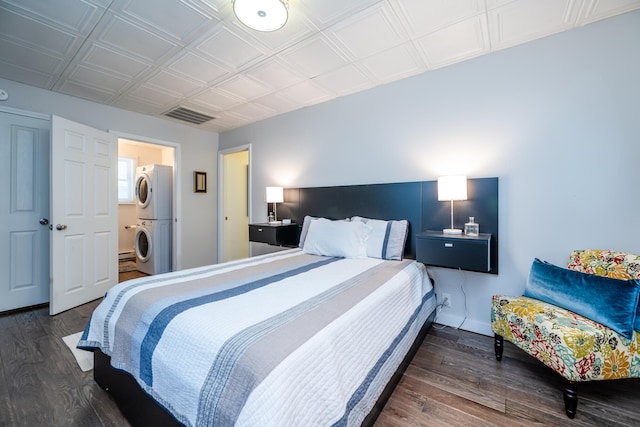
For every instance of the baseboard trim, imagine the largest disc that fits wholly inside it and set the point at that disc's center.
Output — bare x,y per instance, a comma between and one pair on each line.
471,325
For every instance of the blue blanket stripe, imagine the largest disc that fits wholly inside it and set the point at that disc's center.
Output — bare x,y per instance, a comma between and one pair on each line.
160,323
362,389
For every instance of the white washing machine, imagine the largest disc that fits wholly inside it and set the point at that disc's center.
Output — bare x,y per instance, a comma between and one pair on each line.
153,191
153,246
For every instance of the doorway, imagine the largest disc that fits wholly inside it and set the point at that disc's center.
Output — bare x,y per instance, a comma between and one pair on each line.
25,232
134,153
234,173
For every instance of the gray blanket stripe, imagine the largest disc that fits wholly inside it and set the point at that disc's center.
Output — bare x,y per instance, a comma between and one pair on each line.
160,322
264,345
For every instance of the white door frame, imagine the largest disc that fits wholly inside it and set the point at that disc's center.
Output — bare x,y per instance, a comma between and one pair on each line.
221,154
177,194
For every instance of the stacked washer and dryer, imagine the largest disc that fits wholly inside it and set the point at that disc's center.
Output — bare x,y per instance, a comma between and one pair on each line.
153,207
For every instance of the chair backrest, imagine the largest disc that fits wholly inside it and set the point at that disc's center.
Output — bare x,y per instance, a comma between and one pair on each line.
615,264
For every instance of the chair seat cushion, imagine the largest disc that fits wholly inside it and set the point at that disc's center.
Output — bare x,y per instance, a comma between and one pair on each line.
574,346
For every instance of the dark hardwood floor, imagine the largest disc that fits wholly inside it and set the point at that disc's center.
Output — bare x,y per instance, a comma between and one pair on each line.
453,380
40,381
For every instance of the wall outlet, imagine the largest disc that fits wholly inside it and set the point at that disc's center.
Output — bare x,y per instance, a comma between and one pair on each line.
446,300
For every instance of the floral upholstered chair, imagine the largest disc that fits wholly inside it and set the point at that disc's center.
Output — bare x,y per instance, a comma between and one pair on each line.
582,334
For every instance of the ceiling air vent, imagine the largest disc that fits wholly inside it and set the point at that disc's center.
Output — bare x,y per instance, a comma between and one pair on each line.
187,115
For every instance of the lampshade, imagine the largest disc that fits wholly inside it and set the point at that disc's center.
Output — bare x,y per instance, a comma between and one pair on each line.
262,15
275,195
452,187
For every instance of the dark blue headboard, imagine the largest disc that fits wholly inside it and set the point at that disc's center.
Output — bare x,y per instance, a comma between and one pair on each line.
416,202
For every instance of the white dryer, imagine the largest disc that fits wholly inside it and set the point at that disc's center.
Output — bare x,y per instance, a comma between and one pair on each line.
153,246
153,191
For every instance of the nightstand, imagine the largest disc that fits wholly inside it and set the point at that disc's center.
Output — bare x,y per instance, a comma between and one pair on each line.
471,253
274,234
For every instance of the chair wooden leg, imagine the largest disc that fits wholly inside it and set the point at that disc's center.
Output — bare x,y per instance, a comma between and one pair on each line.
498,346
570,398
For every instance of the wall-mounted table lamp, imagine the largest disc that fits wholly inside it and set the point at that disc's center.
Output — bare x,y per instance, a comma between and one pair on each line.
452,187
275,195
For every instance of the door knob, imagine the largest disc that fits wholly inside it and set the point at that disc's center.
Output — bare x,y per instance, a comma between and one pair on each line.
61,227
44,221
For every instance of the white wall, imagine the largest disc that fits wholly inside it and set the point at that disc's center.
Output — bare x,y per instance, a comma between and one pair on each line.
198,152
557,120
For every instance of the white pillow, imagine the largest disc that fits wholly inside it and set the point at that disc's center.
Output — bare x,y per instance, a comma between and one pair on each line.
337,238
387,238
305,227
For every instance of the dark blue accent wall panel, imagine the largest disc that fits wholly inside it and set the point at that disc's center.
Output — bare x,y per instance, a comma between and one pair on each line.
481,203
416,202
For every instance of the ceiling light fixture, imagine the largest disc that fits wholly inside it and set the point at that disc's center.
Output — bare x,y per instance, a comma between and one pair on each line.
262,15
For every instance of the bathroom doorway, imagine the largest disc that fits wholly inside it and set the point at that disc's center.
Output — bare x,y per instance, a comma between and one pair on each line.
234,173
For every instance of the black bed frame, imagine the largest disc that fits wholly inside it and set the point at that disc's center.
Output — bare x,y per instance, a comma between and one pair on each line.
141,410
416,202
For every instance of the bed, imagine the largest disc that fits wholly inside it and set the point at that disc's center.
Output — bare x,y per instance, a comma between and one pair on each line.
296,337
314,340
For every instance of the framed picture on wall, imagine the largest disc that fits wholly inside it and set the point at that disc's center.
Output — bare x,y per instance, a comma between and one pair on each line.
199,182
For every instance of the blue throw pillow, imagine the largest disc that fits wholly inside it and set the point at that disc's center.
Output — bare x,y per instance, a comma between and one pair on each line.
610,302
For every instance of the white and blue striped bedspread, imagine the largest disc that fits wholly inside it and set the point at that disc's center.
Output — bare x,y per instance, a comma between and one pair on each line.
284,339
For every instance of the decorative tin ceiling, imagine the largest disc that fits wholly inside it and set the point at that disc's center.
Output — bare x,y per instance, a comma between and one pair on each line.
153,56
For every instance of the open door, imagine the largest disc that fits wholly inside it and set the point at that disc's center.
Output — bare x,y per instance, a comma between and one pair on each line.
84,217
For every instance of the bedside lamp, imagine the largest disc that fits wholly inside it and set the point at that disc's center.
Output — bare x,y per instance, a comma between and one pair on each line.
452,187
275,195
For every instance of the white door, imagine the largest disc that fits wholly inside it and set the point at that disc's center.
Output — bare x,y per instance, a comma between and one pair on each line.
236,210
24,182
84,239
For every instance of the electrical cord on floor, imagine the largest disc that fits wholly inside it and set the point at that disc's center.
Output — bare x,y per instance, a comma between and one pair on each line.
465,298
444,302
439,305
438,310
